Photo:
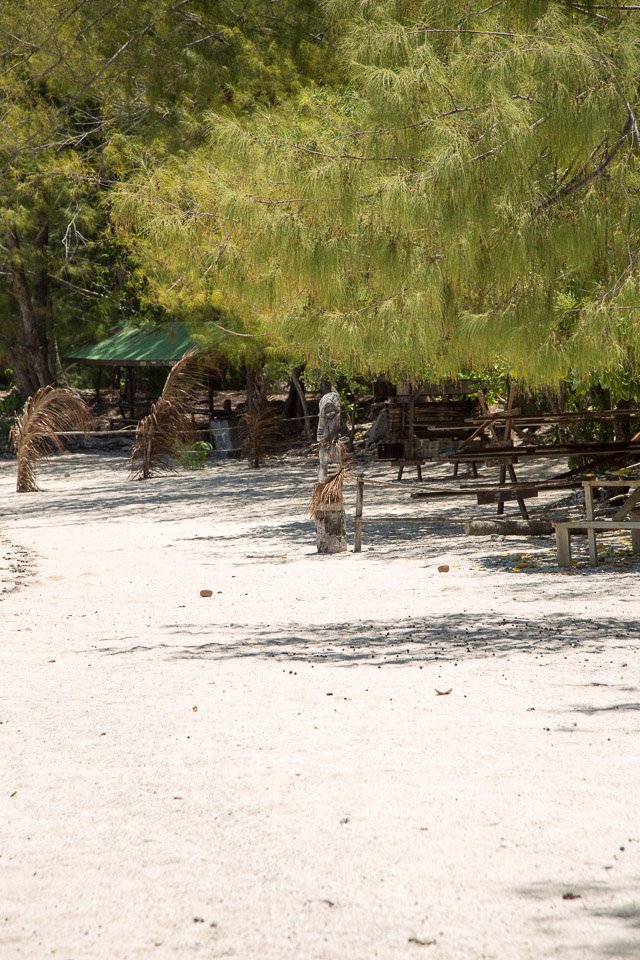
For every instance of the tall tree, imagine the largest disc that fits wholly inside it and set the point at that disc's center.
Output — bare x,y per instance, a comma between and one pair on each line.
467,192
88,89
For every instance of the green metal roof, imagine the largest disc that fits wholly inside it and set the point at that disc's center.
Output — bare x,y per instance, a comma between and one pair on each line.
138,347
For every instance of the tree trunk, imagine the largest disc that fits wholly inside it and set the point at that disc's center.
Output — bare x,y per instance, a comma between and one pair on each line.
256,388
622,425
31,359
22,373
295,380
558,403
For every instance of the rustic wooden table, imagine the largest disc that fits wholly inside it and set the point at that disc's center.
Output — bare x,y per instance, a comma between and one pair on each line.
627,517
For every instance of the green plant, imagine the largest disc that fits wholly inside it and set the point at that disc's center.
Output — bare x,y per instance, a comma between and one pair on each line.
195,456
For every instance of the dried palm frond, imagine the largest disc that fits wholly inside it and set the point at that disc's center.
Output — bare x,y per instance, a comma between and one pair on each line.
263,433
51,411
327,493
330,491
167,428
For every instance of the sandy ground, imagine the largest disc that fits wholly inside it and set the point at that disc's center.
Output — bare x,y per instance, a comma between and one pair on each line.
270,772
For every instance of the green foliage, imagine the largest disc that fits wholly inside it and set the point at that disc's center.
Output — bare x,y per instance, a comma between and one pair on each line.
195,456
467,192
88,92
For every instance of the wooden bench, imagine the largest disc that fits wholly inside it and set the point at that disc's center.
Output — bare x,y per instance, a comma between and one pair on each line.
564,529
410,462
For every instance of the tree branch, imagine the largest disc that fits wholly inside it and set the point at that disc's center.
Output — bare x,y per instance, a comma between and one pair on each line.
583,179
72,286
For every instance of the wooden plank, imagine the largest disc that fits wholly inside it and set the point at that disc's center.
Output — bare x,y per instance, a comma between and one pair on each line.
412,520
457,388
546,487
627,507
532,420
598,524
606,482
499,495
563,546
547,450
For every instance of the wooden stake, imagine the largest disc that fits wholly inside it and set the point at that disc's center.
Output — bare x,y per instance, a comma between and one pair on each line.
357,535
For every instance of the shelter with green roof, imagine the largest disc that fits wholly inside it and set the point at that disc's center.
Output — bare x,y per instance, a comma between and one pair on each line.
160,346
134,347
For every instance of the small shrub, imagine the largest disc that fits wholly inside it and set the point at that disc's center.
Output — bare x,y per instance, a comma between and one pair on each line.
195,456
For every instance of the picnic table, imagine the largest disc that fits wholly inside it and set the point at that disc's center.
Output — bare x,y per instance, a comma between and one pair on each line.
500,439
627,517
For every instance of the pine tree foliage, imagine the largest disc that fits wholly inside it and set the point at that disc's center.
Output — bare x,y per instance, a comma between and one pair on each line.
466,191
90,89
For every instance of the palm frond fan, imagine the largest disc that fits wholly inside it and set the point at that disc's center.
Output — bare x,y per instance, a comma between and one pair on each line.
168,427
263,433
51,411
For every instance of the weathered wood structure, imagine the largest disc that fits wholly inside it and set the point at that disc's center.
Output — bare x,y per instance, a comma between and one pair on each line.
627,517
428,420
327,507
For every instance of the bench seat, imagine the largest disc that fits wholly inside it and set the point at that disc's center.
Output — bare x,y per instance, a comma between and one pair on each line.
564,529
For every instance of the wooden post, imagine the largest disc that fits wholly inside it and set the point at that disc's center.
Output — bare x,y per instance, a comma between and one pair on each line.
331,528
412,443
591,533
357,534
635,534
506,437
131,392
563,543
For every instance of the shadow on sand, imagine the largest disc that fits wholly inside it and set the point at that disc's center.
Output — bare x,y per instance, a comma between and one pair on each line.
587,897
397,642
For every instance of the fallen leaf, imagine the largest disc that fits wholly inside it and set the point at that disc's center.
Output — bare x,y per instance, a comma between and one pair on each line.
443,693
421,943
571,896
206,593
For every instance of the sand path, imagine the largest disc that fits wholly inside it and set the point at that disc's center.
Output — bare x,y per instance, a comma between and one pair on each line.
270,773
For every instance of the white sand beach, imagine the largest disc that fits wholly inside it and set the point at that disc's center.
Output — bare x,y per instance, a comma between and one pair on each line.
270,773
